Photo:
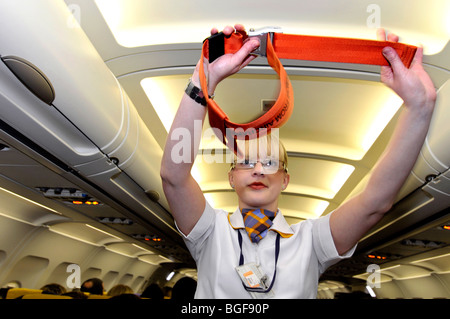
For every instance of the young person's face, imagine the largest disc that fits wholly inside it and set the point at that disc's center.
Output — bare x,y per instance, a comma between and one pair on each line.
257,181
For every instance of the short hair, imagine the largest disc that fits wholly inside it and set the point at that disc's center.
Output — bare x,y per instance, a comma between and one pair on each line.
120,290
93,286
266,140
53,289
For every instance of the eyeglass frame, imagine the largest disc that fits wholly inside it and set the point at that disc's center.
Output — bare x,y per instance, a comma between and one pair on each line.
252,165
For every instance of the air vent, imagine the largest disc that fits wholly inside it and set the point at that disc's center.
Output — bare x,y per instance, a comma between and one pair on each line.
422,243
115,220
68,195
61,192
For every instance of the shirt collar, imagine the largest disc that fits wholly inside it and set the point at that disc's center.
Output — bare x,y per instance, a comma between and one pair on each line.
280,225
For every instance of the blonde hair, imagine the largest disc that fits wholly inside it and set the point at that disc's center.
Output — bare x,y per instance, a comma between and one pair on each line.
119,290
261,147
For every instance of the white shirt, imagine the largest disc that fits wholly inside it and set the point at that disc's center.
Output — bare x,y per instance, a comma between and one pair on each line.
303,257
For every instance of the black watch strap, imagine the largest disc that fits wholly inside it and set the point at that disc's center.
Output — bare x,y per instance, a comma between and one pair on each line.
195,93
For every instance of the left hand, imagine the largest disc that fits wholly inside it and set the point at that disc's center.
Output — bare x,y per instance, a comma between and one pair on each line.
413,85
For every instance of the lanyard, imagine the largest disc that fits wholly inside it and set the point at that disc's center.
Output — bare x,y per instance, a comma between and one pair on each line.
241,262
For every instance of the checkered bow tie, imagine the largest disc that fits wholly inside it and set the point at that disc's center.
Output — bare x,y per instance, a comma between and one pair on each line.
257,222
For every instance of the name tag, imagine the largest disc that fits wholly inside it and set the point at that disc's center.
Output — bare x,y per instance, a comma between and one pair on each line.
252,276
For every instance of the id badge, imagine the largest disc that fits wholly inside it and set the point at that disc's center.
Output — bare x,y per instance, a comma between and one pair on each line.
253,277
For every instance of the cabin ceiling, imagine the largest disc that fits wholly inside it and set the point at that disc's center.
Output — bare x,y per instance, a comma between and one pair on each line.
342,117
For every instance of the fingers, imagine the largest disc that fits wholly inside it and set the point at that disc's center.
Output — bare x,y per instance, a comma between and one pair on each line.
381,36
214,31
418,57
391,55
392,37
239,27
243,56
396,65
228,30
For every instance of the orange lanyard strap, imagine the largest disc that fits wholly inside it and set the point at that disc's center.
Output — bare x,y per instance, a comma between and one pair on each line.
286,46
277,115
343,50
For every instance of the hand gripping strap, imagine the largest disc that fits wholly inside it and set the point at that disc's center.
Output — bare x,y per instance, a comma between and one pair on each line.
278,114
288,46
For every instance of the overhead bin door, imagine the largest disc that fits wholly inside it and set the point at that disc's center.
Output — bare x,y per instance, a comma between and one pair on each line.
91,124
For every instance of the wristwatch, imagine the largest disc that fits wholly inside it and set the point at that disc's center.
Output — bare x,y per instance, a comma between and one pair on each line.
195,93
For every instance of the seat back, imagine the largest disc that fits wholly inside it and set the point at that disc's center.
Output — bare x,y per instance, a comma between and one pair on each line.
15,293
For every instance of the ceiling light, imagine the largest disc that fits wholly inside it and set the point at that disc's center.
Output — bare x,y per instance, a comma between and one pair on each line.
88,202
372,256
431,258
165,105
159,91
390,106
141,23
84,233
170,275
30,201
142,248
371,292
147,237
102,231
341,177
153,259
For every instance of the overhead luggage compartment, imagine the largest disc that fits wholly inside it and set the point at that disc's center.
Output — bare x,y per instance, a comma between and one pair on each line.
425,195
89,123
434,159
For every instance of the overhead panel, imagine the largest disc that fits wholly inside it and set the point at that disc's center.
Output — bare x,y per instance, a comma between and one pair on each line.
145,22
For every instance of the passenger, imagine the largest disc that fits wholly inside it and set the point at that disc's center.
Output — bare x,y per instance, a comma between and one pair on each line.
119,290
53,289
93,286
184,289
285,262
153,291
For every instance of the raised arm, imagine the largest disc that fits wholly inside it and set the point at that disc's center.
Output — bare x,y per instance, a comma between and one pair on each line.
184,195
355,217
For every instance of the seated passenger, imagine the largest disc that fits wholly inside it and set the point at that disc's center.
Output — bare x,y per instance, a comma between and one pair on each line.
120,290
93,286
53,289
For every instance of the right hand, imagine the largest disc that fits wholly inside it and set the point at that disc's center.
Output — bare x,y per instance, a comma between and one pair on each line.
229,64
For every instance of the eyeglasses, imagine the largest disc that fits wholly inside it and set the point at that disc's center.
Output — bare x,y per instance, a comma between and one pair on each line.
268,164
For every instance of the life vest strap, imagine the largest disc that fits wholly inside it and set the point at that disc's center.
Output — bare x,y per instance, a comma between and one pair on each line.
287,46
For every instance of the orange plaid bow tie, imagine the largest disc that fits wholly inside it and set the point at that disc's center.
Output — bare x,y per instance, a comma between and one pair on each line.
257,222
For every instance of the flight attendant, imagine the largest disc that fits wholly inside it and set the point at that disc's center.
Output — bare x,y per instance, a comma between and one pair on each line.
254,252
